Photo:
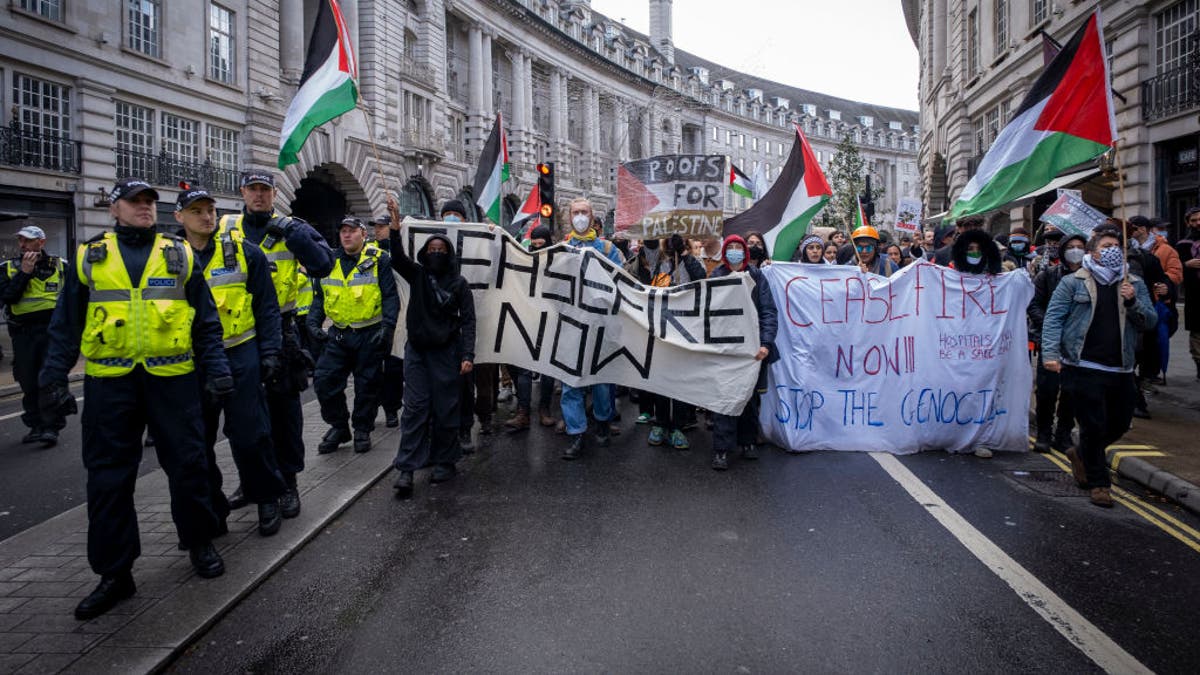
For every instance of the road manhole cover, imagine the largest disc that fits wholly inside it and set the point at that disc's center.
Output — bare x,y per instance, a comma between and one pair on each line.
1049,483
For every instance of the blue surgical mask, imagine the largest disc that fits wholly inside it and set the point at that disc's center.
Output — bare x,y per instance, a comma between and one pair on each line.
1018,245
451,218
735,257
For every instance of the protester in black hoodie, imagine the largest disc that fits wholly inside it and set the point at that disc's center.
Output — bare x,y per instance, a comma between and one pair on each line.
440,321
974,252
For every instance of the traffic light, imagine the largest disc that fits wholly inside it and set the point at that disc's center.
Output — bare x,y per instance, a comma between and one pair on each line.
546,188
868,203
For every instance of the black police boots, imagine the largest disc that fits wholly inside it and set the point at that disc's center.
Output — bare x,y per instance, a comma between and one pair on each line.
206,561
289,503
333,439
391,418
111,590
269,518
362,441
404,485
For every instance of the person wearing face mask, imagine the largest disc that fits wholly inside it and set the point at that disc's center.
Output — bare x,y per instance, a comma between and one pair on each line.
867,255
1142,231
574,410
1147,266
539,239
391,394
1019,251
440,320
974,252
756,250
1048,252
1089,335
1049,397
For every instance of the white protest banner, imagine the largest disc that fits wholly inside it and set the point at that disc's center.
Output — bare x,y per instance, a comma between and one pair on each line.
908,214
927,359
1072,215
574,315
672,194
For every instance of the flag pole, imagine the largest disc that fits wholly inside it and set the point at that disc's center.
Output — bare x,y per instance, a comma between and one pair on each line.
1121,186
375,148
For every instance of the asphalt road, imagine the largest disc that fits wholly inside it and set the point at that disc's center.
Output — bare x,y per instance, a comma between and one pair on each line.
643,559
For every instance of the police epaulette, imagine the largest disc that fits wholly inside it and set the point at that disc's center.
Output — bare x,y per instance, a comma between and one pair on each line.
96,238
171,236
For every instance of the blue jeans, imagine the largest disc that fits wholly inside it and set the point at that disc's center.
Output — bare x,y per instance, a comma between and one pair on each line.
575,412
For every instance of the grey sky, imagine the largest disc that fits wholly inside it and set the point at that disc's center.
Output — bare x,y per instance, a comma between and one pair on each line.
856,49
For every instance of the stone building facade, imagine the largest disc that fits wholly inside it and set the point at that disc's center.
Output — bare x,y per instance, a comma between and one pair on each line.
980,57
95,91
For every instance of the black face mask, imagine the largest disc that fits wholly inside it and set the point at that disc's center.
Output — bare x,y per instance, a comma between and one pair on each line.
758,253
437,262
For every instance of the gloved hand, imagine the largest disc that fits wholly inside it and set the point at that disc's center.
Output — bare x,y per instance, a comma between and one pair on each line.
218,389
55,401
381,341
319,334
270,368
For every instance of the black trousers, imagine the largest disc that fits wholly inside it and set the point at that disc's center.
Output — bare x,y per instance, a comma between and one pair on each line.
283,406
349,352
1051,399
477,395
669,413
430,421
731,432
391,395
29,354
1103,407
249,432
116,412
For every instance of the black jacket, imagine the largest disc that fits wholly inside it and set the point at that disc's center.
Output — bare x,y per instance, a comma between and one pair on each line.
66,327
309,247
441,308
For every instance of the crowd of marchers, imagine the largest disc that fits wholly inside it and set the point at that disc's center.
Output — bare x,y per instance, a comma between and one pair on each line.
230,317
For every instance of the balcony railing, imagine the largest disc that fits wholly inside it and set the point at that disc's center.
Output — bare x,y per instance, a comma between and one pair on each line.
164,169
1173,92
34,149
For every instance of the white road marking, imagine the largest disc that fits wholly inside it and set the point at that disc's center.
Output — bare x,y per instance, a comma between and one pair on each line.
1077,630
78,399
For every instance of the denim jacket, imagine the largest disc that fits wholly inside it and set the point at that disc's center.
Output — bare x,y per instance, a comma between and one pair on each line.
1069,317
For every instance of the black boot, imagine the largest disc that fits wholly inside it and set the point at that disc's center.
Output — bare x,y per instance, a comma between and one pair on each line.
48,438
238,499
269,518
404,485
362,441
1042,444
289,503
111,590
603,434
206,561
573,450
442,473
720,461
333,439
391,418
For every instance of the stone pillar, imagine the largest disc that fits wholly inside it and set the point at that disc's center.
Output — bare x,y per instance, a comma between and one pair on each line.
621,129
527,76
475,71
940,17
291,39
556,101
489,96
519,120
94,109
647,136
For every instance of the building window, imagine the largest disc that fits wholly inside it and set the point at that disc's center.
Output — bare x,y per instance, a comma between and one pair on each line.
767,147
224,151
1038,11
728,137
180,137
43,110
51,9
835,115
220,44
754,143
973,42
1001,18
144,28
741,140
715,132
1173,29
135,141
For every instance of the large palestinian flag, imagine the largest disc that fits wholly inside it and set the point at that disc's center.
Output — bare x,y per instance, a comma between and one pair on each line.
492,172
328,86
783,213
1066,119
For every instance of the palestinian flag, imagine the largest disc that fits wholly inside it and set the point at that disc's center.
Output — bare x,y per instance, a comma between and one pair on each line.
860,218
492,171
328,87
740,182
1066,119
783,213
530,214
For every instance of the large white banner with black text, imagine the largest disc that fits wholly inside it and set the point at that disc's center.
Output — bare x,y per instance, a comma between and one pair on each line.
928,359
574,315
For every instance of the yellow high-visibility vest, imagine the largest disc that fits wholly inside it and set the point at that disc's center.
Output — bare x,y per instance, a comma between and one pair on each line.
354,301
40,294
235,302
283,263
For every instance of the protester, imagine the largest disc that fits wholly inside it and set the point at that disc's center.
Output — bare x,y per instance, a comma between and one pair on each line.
974,252
1148,268
866,249
838,238
391,394
756,250
440,322
895,255
946,235
1048,253
1142,231
574,411
539,238
927,240
1049,395
812,250
1190,245
1019,251
1164,292
742,431
1090,330
831,253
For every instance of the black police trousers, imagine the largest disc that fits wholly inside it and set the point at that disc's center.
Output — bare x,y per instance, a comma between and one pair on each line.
283,406
29,355
249,432
116,412
430,420
349,351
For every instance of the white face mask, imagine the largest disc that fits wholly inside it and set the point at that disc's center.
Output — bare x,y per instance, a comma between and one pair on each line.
580,223
1074,255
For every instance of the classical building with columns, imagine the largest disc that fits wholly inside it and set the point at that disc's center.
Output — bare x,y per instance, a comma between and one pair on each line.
980,57
95,91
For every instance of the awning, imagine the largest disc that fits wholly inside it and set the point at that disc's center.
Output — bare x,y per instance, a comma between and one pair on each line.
1061,182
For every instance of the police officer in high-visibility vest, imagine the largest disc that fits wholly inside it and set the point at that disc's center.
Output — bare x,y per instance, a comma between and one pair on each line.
288,243
391,395
240,281
29,288
359,297
134,302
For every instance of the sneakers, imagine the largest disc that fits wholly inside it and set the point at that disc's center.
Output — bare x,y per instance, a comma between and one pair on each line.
658,436
49,438
519,422
679,441
404,485
1101,496
464,442
720,461
575,449
750,452
362,441
545,418
333,439
34,435
983,453
1141,412
486,427
644,418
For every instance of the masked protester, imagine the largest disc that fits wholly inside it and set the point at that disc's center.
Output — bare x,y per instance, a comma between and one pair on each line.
646,266
742,431
1089,335
1020,250
1049,396
974,252
756,250
1048,253
539,239
440,320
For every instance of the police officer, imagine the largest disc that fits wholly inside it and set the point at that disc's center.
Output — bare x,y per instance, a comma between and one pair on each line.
241,286
391,393
141,341
359,297
29,287
288,243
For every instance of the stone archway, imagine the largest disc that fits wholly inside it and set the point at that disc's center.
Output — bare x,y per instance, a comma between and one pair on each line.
327,194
